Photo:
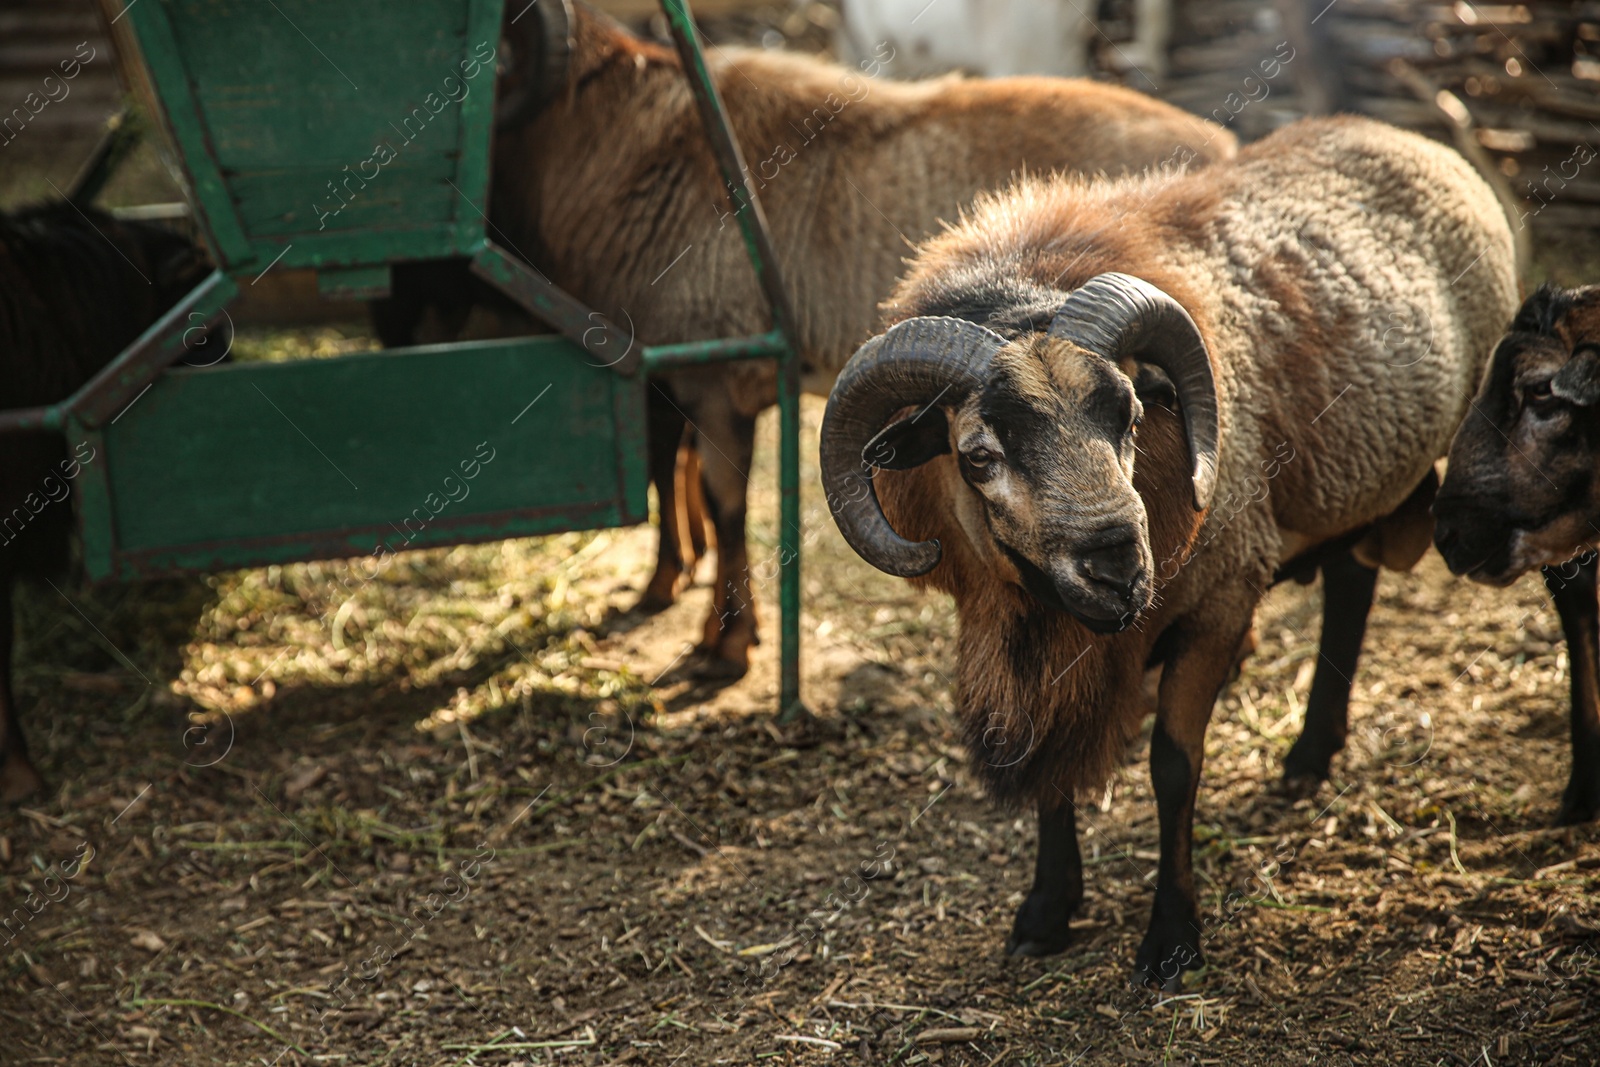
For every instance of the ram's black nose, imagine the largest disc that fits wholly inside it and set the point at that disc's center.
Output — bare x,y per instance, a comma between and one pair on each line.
1474,540
1117,563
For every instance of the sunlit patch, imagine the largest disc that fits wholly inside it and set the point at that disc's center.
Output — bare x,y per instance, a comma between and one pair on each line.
275,344
498,624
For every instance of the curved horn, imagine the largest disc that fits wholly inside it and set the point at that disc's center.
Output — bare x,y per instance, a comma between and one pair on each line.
921,361
540,46
1121,317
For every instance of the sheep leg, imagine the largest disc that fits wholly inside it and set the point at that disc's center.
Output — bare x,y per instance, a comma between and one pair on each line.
1189,687
1575,599
18,779
668,429
730,629
694,505
1347,591
1040,928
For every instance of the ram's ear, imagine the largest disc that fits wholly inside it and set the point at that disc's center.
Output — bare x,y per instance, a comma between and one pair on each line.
909,442
1579,381
1152,386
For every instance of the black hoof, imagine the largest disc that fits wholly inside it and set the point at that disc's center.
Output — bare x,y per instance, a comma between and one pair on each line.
707,666
19,781
1026,948
1578,805
650,604
1169,949
1298,786
1306,767
1041,928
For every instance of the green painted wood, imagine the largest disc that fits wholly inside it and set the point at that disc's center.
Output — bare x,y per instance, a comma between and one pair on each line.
771,344
343,133
245,464
477,127
553,305
389,244
354,283
284,201
180,112
94,499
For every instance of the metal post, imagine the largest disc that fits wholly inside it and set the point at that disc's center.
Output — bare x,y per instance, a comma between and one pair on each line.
753,226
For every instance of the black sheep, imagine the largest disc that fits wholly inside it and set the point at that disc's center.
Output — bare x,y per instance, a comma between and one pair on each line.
76,286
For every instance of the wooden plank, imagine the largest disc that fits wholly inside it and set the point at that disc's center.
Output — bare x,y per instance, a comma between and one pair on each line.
355,283
150,39
299,201
348,140
610,346
1240,55
397,241
95,521
476,129
528,521
248,462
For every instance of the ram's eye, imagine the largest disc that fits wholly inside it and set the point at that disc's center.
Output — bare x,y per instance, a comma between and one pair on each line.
1540,398
980,457
1134,425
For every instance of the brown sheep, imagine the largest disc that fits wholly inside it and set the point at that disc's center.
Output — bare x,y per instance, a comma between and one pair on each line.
1523,491
611,190
1180,384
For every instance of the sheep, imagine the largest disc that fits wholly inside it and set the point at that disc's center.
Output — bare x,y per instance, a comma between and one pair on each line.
76,286
1106,417
1522,491
612,192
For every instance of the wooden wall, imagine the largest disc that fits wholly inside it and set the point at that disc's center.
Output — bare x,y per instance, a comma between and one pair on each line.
36,36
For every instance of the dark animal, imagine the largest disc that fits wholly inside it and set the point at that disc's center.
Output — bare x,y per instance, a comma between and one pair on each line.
76,286
1523,491
1109,416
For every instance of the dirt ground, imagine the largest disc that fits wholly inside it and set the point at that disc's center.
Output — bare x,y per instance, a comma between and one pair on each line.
472,812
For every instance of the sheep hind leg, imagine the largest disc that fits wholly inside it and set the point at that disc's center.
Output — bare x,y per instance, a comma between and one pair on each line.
1347,591
18,778
730,629
1041,925
694,506
668,433
1575,600
1189,686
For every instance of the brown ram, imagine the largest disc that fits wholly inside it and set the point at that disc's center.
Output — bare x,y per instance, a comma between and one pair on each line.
1178,384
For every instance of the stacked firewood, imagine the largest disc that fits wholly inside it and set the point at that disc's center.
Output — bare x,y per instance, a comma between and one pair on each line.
1522,81
1235,62
1514,86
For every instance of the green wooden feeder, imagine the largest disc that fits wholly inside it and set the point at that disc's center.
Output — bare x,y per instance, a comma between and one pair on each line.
345,138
